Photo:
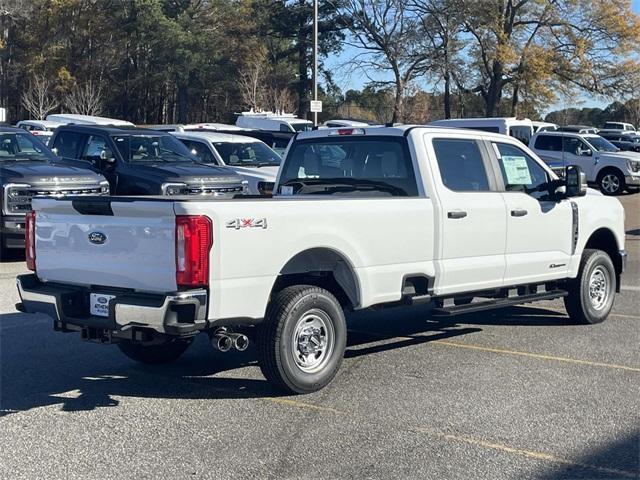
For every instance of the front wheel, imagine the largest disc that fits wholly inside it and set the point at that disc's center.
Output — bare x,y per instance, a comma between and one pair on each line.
302,340
155,354
611,182
591,293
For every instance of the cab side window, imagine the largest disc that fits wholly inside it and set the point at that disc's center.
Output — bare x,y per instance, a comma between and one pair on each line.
68,144
520,172
461,165
550,143
200,150
94,147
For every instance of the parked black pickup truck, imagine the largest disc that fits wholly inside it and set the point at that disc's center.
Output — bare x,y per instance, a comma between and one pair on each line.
138,161
29,169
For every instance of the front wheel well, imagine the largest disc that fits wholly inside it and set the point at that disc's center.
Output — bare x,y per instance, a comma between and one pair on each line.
604,239
604,170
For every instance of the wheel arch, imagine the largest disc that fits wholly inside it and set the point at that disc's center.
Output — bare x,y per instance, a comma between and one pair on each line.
604,239
324,267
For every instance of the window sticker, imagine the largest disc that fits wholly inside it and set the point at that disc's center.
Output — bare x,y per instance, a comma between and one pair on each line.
516,170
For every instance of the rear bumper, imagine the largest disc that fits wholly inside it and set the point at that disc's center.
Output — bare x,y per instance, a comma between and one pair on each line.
182,313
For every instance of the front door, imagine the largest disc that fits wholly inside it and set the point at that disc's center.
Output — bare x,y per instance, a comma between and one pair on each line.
539,230
577,152
471,242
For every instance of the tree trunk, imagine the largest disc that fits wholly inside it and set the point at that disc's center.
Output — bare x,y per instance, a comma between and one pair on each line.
447,95
398,105
494,93
515,100
183,101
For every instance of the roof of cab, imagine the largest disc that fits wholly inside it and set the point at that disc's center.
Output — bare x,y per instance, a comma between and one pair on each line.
111,129
395,131
215,136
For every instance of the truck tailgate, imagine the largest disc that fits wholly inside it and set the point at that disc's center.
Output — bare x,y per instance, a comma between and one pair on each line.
117,243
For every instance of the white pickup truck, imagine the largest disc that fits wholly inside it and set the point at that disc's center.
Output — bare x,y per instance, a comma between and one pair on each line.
466,221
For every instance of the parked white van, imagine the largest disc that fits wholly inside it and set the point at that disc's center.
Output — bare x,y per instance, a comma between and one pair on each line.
274,122
69,118
520,128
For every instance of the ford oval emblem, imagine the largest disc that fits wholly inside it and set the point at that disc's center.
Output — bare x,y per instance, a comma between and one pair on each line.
102,300
97,238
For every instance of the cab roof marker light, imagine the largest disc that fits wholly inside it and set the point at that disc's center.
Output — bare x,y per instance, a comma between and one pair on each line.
347,131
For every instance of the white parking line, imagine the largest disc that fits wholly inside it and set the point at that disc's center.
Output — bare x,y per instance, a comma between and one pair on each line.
632,288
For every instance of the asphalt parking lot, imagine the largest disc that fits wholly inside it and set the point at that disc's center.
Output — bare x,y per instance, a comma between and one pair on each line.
512,394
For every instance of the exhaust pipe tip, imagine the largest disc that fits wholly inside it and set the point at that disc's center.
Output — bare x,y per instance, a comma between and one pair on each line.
241,342
221,342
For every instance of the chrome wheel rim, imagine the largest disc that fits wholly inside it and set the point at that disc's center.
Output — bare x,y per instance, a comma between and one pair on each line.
610,183
599,286
313,341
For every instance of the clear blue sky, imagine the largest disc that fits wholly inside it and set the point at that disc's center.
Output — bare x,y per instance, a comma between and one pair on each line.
347,79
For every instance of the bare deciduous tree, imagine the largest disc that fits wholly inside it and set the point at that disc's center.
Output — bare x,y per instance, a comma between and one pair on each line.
385,32
281,99
251,83
38,99
86,99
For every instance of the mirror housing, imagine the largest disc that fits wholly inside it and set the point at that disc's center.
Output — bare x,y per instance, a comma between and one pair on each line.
575,181
54,150
585,153
104,158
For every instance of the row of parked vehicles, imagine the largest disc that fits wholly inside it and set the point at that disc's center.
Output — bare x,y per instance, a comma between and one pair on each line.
94,155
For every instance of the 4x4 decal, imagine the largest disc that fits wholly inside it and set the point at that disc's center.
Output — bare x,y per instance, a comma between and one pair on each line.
239,223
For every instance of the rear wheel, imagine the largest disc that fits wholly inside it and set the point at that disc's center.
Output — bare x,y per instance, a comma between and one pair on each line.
611,182
591,294
302,339
155,354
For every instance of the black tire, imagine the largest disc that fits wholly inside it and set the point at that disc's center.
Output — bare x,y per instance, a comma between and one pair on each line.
611,181
292,314
581,303
155,354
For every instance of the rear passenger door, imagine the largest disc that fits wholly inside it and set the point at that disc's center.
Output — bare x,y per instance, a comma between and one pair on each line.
539,230
471,239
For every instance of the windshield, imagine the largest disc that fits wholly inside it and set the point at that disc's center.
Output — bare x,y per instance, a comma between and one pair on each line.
602,145
152,148
250,154
18,146
302,127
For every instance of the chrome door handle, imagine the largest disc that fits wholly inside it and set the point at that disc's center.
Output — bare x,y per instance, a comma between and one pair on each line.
518,213
457,214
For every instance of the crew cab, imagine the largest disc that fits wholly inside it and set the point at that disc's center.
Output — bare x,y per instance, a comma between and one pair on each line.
602,162
29,169
464,221
138,161
246,156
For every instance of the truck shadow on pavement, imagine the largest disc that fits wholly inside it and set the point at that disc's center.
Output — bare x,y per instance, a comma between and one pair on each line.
39,367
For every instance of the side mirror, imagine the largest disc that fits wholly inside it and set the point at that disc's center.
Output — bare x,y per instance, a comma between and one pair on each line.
585,153
104,158
55,151
575,181
266,188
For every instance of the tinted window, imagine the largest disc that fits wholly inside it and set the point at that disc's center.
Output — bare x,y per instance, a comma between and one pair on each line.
68,144
200,150
349,166
461,166
484,129
548,142
284,127
152,148
522,133
22,147
520,172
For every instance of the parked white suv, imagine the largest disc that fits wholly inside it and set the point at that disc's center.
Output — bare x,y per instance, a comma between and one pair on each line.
602,162
379,216
246,156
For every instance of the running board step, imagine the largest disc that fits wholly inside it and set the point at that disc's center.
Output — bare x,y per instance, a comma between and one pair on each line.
497,303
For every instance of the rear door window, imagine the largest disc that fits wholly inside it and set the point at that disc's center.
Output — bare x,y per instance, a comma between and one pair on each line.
551,143
461,165
200,150
353,166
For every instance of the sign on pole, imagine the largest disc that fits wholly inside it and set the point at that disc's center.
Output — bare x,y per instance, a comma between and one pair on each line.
316,106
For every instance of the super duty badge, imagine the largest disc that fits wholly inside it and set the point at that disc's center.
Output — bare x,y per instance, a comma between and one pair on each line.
239,223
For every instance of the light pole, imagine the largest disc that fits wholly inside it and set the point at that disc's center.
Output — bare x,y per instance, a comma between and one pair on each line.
315,58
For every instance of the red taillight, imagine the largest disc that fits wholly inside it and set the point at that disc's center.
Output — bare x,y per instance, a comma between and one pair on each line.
194,239
30,240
